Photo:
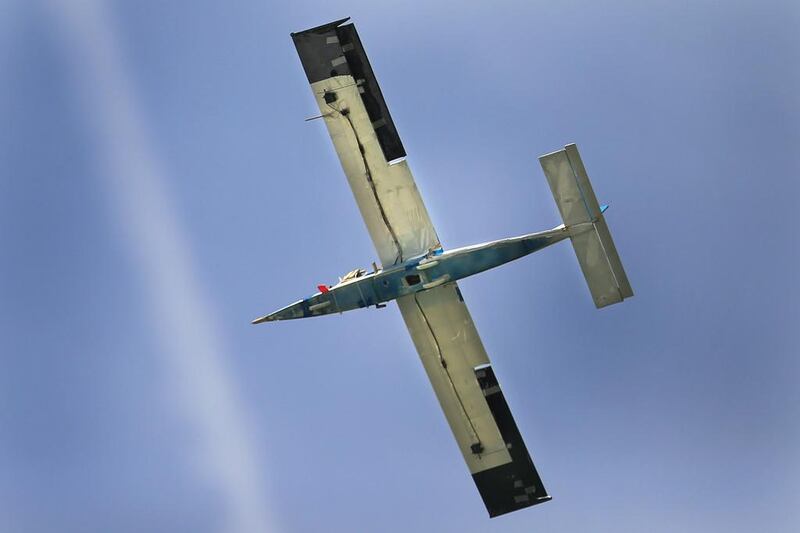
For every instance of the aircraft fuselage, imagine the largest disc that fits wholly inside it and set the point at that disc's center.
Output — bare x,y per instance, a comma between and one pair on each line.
416,274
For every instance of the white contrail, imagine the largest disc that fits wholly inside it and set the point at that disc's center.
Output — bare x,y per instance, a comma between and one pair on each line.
180,311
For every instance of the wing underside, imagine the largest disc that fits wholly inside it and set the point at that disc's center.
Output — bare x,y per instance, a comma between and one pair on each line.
372,156
366,141
467,389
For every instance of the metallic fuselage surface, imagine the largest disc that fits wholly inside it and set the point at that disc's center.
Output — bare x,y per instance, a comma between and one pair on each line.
417,274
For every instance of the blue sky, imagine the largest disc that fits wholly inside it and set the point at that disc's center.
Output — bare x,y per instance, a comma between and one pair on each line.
159,189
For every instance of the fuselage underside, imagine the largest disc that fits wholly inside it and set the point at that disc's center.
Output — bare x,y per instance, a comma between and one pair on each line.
416,274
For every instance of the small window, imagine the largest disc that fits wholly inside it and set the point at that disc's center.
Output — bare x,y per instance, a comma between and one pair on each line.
413,279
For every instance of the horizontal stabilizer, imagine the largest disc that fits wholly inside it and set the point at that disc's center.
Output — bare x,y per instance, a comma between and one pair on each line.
589,233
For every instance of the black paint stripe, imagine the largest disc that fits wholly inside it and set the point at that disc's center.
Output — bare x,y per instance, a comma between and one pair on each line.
514,485
321,50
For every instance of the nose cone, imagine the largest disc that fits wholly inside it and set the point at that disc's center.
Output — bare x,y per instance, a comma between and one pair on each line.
295,310
265,318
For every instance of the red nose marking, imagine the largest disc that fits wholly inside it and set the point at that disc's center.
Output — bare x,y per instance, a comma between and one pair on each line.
322,288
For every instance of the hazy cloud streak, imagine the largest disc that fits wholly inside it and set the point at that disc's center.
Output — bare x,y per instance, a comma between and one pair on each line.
180,311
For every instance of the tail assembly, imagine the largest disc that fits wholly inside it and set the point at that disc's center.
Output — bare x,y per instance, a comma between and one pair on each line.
589,234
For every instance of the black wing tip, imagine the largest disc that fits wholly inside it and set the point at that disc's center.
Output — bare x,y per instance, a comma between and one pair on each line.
536,501
514,485
510,487
322,28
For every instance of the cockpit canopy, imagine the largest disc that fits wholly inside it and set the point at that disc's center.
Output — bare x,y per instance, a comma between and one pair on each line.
353,274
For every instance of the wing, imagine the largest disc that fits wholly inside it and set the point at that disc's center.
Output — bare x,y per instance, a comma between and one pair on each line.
370,151
366,141
458,367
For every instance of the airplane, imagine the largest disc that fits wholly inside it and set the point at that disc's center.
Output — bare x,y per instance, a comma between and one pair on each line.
421,276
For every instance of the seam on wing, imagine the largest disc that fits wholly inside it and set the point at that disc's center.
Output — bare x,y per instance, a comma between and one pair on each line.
443,362
371,182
